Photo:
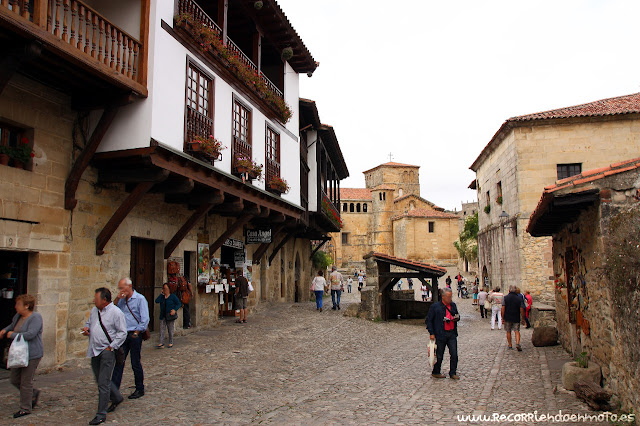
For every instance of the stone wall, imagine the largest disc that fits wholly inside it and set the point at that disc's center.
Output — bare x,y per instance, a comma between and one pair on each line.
412,239
609,336
37,196
358,228
63,269
381,225
406,180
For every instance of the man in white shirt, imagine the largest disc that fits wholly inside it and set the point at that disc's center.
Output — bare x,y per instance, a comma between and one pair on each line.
337,285
107,331
349,284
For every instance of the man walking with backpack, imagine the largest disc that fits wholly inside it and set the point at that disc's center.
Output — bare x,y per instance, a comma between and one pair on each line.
442,323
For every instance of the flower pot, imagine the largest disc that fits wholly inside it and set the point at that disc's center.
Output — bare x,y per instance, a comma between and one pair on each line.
4,159
18,164
241,169
253,175
572,372
276,188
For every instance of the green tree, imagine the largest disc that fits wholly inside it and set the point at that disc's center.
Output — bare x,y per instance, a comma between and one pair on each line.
467,244
322,260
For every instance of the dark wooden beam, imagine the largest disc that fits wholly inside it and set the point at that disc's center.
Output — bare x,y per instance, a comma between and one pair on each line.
119,215
82,102
132,175
181,186
15,59
229,208
405,275
425,282
264,213
211,196
239,223
82,162
281,244
186,228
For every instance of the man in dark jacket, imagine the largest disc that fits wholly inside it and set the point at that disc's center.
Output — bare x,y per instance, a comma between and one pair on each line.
443,328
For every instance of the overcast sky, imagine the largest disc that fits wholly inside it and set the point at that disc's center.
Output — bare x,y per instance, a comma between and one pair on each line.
432,81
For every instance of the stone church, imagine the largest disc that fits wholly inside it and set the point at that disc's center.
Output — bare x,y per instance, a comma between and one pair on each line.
389,216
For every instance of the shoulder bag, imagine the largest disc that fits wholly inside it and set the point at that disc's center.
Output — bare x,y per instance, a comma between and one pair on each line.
119,352
145,334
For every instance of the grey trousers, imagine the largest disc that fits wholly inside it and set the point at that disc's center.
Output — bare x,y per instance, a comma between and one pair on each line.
102,366
169,325
22,378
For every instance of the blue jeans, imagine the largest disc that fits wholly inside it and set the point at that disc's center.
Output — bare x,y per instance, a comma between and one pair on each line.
335,294
348,288
318,299
448,340
134,346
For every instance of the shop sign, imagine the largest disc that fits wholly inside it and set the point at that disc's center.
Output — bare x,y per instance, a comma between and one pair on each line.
234,244
258,236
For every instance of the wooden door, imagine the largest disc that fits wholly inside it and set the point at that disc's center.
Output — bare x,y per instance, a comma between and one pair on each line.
143,271
13,276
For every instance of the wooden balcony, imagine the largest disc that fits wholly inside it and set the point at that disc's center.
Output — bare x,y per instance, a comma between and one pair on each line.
77,49
192,8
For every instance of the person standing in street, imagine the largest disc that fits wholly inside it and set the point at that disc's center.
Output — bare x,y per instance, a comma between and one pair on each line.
185,292
528,302
27,324
482,297
360,281
318,285
169,305
410,282
495,298
242,291
425,292
448,281
475,293
349,284
107,331
136,312
513,313
337,285
441,321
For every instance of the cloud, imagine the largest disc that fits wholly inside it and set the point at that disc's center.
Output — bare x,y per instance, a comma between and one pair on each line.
431,82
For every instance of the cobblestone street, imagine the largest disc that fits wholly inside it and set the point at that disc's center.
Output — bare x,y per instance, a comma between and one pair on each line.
293,365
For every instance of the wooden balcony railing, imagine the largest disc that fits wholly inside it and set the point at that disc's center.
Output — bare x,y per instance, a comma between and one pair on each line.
272,169
240,148
84,29
198,124
193,8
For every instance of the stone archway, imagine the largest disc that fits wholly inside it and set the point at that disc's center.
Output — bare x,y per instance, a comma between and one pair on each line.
297,278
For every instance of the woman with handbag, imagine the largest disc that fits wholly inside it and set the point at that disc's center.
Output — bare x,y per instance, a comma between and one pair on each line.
26,325
169,305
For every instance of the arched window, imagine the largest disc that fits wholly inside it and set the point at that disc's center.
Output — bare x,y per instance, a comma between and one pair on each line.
364,207
381,196
400,192
384,195
358,207
412,206
345,207
351,208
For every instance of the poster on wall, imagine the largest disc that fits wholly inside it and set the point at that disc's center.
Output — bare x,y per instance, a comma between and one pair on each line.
214,267
247,270
203,263
239,257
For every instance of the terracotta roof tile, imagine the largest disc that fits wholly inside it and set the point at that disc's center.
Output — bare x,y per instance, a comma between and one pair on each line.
355,194
427,213
577,180
407,263
621,105
392,164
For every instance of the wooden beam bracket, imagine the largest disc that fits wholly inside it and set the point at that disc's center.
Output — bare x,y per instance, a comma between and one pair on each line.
82,162
239,223
186,228
120,214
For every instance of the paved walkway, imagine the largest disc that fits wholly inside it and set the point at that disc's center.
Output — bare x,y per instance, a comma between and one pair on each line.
293,365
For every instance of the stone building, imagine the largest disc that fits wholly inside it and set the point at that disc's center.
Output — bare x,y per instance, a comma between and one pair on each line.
594,222
389,216
528,153
119,184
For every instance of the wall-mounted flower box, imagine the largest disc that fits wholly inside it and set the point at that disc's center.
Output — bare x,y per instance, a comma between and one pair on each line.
210,42
247,168
279,185
207,149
